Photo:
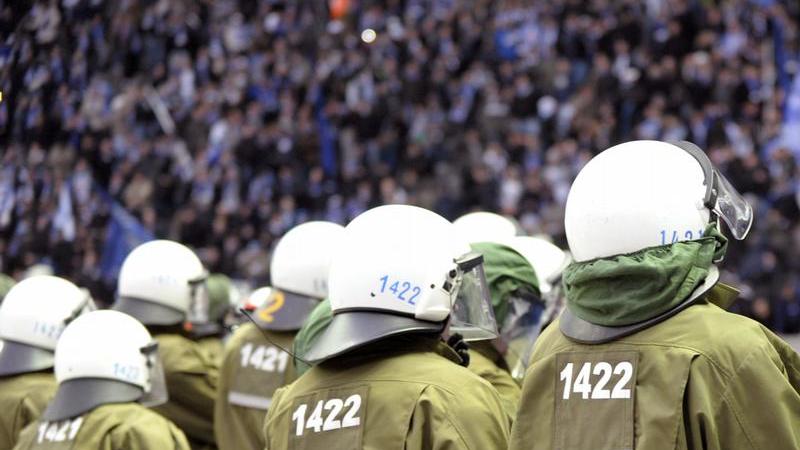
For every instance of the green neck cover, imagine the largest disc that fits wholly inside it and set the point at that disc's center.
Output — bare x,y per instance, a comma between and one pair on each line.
317,322
627,289
506,272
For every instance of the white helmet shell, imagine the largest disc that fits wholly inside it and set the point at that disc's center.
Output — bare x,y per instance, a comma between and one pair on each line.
485,227
104,344
396,258
35,310
635,195
160,272
303,256
547,259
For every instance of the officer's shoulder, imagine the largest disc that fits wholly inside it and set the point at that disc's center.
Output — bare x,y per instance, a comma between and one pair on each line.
23,383
132,416
708,326
132,421
174,345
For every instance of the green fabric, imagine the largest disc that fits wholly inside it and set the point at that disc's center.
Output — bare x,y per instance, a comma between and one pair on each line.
486,362
192,378
506,272
218,286
6,283
317,322
705,379
23,398
414,396
128,426
626,289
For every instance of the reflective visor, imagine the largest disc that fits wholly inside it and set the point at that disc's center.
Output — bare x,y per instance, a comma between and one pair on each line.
200,300
157,394
732,207
472,316
721,197
522,326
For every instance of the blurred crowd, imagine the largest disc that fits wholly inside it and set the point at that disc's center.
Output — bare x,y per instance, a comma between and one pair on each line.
223,123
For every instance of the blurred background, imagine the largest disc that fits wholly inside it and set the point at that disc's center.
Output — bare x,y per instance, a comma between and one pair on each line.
223,123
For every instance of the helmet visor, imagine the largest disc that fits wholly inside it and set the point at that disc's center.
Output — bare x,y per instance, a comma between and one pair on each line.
472,315
529,329
731,207
522,325
200,301
721,197
157,392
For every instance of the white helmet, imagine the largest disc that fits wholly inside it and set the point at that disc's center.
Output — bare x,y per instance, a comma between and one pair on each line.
32,317
548,260
485,227
105,357
644,194
162,283
303,256
299,272
403,269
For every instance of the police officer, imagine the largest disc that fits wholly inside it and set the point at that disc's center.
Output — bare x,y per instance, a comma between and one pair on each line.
645,355
32,317
383,376
253,366
162,284
484,226
549,262
518,306
210,333
106,364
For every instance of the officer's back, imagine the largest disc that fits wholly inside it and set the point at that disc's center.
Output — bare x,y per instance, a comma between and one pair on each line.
395,394
704,378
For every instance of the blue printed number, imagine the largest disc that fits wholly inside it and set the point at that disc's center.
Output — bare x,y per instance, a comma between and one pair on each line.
673,236
48,330
130,373
399,289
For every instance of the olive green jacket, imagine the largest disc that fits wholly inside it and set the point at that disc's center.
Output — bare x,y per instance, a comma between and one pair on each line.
488,363
246,384
393,395
121,426
22,399
192,386
703,379
213,348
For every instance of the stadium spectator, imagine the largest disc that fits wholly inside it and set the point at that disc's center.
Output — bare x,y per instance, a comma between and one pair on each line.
224,123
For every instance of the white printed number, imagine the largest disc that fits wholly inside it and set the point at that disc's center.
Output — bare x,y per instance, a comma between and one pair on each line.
333,407
59,431
268,359
583,382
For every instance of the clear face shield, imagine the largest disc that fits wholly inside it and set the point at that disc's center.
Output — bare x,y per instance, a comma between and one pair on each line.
200,302
472,316
721,197
157,393
522,325
522,348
